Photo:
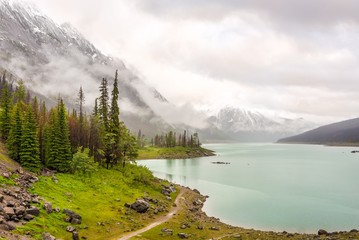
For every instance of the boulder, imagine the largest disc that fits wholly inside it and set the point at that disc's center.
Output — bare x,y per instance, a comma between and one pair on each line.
33,211
322,232
6,175
11,225
9,211
214,228
167,190
47,236
182,235
185,225
140,206
48,207
10,204
20,170
28,217
167,231
198,202
75,235
70,228
74,218
4,227
75,221
196,191
20,210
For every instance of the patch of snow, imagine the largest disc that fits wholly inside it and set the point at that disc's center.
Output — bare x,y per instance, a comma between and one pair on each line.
37,30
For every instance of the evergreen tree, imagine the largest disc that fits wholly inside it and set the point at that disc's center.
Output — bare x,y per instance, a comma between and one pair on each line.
95,110
35,108
42,119
29,152
73,123
96,141
103,104
15,136
81,120
115,123
6,110
128,145
59,147
20,92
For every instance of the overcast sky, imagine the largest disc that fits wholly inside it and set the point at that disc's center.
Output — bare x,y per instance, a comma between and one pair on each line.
285,57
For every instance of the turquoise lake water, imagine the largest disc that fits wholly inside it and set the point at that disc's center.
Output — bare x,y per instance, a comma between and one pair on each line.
296,188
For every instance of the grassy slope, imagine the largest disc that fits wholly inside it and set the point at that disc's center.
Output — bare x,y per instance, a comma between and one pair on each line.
173,153
99,200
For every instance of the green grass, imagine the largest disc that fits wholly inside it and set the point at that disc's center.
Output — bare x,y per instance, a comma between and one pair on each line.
8,181
99,200
171,153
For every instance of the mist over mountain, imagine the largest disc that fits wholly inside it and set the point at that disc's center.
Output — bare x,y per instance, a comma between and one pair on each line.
249,126
56,58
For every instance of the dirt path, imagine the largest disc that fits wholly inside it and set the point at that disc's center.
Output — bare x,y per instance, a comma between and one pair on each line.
159,220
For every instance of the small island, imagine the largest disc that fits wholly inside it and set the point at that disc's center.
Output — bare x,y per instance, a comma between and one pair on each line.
169,146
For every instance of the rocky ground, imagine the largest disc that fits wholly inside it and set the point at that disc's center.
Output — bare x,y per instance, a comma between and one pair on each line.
192,223
18,206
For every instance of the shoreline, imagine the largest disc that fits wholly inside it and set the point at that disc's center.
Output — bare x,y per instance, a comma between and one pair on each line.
252,233
194,223
322,144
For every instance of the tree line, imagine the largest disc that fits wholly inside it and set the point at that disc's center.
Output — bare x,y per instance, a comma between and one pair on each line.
38,137
170,140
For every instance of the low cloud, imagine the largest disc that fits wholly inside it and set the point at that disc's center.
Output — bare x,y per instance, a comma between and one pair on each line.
276,55
184,114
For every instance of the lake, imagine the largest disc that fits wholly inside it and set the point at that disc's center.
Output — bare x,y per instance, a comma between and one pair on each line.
296,188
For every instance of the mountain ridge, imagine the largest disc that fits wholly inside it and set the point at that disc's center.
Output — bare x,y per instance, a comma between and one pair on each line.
336,133
45,53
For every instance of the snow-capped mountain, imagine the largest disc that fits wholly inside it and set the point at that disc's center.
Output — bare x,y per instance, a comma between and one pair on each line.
56,58
25,30
244,125
53,58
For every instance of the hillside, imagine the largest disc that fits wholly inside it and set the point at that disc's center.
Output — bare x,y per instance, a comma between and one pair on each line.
43,53
345,132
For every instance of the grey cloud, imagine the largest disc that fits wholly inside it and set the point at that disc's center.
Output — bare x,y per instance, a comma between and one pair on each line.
305,11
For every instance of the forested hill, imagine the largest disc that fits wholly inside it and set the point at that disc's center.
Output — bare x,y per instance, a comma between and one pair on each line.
345,132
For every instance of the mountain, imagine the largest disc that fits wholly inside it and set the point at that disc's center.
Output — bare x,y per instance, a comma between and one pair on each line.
336,133
248,126
53,58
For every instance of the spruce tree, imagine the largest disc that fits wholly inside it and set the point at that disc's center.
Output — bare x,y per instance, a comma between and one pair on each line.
20,92
59,143
65,148
15,136
115,122
29,152
103,104
42,119
6,110
81,133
